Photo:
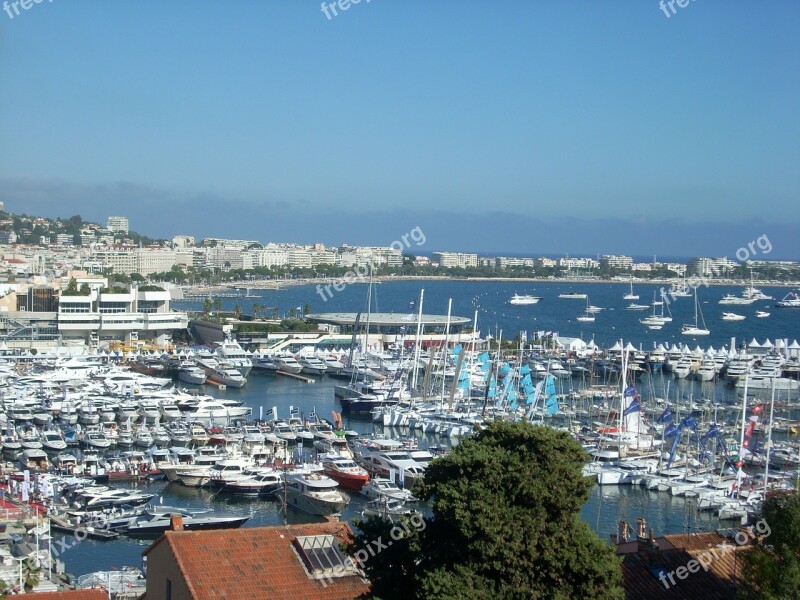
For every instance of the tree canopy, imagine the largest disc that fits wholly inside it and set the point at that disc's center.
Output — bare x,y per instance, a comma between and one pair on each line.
773,567
505,524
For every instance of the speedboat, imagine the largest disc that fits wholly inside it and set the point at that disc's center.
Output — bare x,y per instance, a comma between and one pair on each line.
388,510
379,487
761,314
53,441
790,300
729,316
314,493
156,520
259,482
524,299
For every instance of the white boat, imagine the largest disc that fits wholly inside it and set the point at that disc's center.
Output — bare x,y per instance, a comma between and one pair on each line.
573,295
587,316
634,306
695,329
53,441
312,365
314,493
729,316
738,300
288,364
380,487
231,353
227,375
524,299
630,295
762,314
192,374
207,411
790,300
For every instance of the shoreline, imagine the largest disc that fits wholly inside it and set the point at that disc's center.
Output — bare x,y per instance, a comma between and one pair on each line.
278,285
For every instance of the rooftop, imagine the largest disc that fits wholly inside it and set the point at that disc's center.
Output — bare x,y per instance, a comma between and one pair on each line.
257,563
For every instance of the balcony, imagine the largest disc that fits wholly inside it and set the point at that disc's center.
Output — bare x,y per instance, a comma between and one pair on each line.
78,322
163,321
122,322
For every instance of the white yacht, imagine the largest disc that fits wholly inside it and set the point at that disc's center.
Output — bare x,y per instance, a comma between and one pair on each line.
207,411
230,352
524,299
192,374
314,493
227,375
729,316
312,365
288,364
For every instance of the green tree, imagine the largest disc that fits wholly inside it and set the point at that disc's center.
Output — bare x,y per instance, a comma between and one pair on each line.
237,312
306,309
207,304
773,567
506,524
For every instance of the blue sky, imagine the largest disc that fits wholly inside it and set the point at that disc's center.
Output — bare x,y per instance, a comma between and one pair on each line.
542,127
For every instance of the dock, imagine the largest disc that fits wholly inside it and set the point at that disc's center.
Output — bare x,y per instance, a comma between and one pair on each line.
296,376
60,524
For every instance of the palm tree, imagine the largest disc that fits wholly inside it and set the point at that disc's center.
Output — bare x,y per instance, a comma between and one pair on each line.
237,311
275,312
256,309
207,306
306,309
292,313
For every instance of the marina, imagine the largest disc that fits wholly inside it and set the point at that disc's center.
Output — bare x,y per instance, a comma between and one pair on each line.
236,456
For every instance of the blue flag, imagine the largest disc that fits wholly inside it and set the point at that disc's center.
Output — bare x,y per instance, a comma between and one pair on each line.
633,407
666,416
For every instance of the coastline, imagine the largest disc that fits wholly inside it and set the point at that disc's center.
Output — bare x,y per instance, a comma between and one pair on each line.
277,285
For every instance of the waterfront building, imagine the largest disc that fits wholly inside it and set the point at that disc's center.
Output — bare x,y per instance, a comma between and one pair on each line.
612,261
710,267
46,316
449,260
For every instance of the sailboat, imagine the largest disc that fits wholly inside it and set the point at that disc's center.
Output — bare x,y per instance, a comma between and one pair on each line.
631,295
587,317
695,329
655,321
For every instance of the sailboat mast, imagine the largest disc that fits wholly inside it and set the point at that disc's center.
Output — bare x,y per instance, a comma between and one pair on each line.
417,341
769,434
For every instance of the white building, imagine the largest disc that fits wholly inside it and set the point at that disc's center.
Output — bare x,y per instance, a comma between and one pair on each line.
118,224
613,261
449,260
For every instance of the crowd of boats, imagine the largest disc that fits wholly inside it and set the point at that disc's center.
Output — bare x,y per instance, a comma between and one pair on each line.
132,425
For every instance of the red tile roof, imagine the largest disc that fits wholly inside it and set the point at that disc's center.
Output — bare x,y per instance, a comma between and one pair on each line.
96,594
719,581
256,563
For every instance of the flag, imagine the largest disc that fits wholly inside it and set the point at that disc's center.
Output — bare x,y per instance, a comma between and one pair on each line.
688,421
633,407
666,416
671,430
525,370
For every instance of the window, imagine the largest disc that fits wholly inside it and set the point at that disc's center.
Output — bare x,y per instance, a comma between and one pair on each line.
322,556
169,590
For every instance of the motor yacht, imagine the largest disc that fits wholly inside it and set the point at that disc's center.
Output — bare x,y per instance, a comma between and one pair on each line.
314,493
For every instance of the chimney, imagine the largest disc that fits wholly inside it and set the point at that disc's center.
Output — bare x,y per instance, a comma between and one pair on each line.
176,523
622,532
641,528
